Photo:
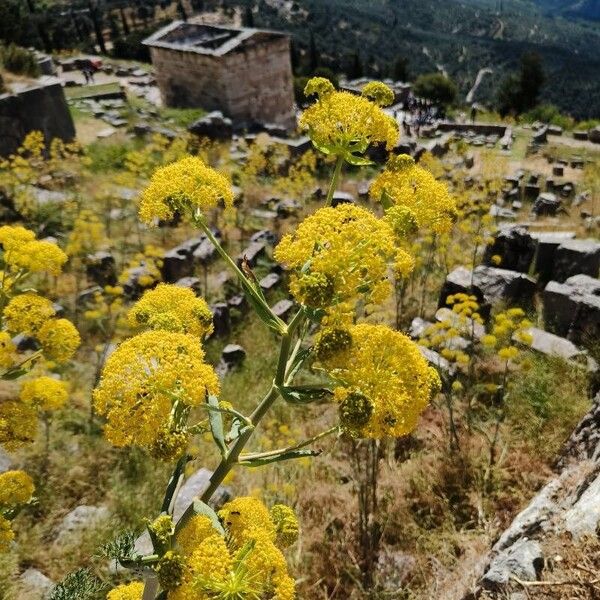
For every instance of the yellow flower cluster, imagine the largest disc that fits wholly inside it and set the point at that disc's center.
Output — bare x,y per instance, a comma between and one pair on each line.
338,254
344,124
18,424
27,313
128,591
16,489
384,383
22,252
509,326
172,308
151,260
144,378
443,335
59,339
87,236
247,563
184,186
425,202
44,392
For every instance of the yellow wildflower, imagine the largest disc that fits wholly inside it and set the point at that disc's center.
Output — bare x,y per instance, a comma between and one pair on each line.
338,254
286,524
128,591
386,369
144,377
16,487
173,308
197,529
508,353
343,124
244,514
26,313
426,202
18,424
185,185
59,339
44,392
6,534
7,350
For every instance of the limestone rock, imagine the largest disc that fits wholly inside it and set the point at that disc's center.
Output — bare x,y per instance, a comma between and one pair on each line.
34,585
101,268
576,257
523,560
514,246
81,518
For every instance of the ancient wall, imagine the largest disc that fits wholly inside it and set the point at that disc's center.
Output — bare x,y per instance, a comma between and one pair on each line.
259,84
252,83
39,108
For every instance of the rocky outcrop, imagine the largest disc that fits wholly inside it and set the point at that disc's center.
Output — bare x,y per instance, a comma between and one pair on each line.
568,504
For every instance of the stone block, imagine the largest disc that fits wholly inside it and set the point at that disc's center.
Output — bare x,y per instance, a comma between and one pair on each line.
514,246
547,244
576,257
101,268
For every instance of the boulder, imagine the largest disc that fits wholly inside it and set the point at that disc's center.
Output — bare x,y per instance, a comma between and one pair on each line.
594,135
204,253
287,207
523,560
514,246
34,585
193,283
270,281
282,309
238,302
546,204
213,125
340,197
132,287
80,518
177,263
576,257
555,130
540,136
547,243
489,285
6,462
554,345
233,355
101,268
252,253
417,327
221,319
264,235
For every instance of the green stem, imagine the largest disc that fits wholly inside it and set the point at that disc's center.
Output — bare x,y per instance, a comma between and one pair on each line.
174,483
303,444
247,285
232,457
334,180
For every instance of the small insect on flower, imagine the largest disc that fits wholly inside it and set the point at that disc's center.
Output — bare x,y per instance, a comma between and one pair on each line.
344,124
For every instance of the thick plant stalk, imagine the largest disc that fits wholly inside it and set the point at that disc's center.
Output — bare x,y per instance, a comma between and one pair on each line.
334,180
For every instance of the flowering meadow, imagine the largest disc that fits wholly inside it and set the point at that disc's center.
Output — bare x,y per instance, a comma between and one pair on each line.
344,454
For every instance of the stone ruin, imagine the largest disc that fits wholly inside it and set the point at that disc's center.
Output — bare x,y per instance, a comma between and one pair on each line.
245,73
37,105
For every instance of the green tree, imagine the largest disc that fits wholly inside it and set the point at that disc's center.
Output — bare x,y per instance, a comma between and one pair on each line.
436,87
400,69
356,67
520,92
532,79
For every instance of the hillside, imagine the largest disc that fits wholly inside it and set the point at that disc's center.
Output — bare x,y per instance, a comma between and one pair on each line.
582,9
459,37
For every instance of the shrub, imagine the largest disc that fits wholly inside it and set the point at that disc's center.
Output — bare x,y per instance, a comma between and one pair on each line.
19,60
436,87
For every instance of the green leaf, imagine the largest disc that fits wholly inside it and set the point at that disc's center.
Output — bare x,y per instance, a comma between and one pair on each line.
386,200
14,374
305,394
357,161
215,420
201,508
314,314
289,455
299,360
